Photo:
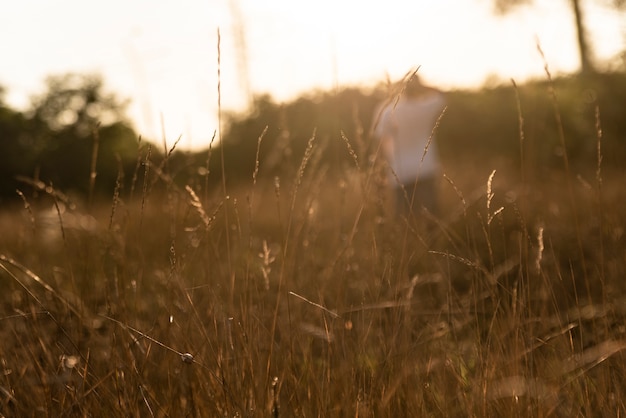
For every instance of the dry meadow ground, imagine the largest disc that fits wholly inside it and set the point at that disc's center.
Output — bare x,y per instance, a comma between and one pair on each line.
306,298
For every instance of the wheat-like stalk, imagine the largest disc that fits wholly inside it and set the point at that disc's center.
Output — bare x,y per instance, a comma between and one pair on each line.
197,205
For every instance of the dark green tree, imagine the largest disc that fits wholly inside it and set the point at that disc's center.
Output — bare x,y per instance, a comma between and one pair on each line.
15,142
333,117
71,119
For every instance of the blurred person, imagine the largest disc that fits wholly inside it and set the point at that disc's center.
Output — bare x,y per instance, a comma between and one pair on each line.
406,129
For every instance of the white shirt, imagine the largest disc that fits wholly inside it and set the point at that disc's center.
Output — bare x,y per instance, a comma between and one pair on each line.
406,128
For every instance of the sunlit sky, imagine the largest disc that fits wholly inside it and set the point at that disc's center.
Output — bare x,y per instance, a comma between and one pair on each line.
163,55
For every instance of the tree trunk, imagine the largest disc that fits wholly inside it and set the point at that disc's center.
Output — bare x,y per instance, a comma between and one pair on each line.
586,64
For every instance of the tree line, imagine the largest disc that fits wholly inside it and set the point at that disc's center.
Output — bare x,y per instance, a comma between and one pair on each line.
71,128
76,138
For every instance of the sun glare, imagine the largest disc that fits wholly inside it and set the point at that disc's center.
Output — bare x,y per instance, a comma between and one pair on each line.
164,56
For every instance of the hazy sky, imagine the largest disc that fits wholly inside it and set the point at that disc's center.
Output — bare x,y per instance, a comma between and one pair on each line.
162,54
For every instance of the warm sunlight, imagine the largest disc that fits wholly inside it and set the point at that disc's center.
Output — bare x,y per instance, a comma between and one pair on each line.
449,244
163,56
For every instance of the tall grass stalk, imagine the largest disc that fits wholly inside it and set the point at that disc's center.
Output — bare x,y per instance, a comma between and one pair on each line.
565,157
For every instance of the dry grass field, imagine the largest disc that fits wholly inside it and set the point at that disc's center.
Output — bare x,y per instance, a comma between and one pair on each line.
305,296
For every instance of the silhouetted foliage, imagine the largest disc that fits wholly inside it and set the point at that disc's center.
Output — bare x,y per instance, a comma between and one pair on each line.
76,103
56,140
486,123
477,125
15,141
325,115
